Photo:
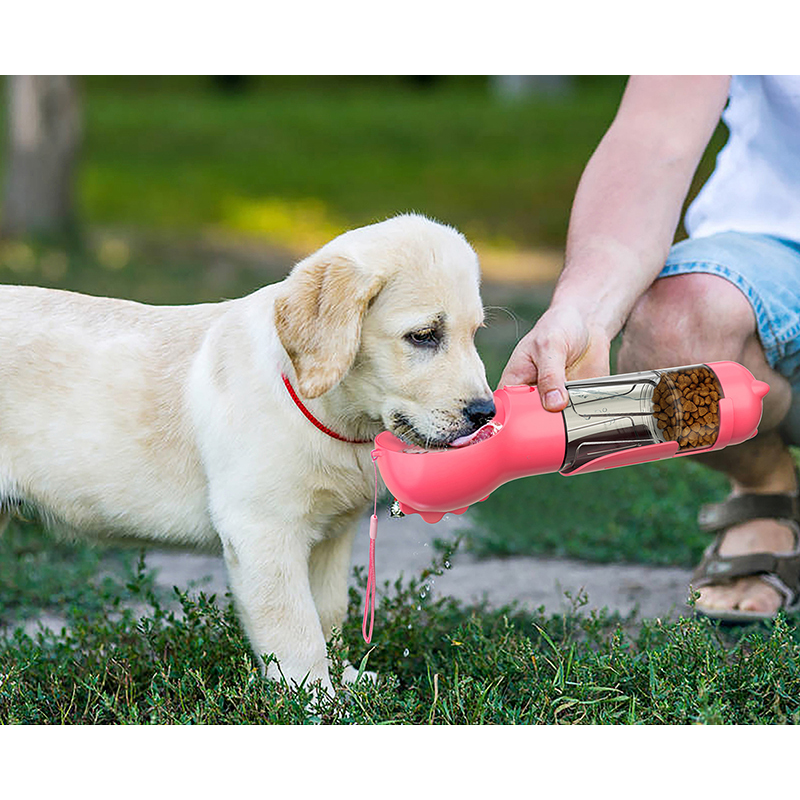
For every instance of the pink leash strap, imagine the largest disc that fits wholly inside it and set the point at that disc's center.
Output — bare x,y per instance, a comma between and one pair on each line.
369,599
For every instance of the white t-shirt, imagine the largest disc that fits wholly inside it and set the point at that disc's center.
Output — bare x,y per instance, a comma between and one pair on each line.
755,187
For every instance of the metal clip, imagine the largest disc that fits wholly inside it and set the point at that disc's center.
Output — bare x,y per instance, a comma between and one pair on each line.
394,511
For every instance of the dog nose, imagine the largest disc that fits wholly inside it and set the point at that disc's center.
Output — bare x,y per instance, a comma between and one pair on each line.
479,412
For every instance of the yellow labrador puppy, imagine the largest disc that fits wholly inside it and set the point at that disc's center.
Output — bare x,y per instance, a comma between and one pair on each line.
246,425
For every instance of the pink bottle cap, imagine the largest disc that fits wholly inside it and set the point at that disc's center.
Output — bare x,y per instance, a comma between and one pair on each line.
740,416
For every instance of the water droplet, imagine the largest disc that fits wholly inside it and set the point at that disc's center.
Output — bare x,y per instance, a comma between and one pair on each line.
422,595
447,565
410,626
405,652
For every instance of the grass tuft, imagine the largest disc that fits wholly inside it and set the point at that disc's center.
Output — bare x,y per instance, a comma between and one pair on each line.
141,659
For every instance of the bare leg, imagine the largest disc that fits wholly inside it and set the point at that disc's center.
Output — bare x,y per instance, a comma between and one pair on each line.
689,319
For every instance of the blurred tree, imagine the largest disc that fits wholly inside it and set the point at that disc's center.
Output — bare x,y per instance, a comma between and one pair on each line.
43,137
519,87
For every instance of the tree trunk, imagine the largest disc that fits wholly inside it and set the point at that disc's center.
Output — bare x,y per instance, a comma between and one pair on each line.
44,133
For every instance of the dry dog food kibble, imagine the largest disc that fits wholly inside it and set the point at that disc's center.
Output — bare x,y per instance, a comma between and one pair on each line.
686,405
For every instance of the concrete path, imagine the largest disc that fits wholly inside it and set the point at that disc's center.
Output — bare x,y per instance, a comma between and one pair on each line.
405,546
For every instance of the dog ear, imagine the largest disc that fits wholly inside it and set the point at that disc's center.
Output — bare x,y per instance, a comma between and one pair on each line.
318,317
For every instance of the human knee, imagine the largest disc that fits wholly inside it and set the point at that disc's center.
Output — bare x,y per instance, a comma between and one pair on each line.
686,319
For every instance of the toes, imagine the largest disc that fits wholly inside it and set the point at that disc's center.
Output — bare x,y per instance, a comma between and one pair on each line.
350,675
718,597
761,598
746,594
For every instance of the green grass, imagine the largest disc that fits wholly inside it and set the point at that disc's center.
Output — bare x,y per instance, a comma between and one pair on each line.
643,514
295,159
142,266
41,573
438,662
340,155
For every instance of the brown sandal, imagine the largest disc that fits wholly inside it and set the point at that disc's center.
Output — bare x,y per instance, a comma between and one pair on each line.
779,570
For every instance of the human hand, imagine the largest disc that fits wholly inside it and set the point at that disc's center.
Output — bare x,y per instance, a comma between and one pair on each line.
562,345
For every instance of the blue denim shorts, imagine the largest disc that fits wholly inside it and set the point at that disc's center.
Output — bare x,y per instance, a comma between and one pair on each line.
767,271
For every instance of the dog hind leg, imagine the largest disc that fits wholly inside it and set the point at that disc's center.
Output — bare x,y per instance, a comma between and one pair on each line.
328,569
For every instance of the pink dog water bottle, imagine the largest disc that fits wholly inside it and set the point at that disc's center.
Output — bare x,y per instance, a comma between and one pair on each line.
608,422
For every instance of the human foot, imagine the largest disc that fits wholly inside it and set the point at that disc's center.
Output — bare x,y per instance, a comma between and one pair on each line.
750,593
752,569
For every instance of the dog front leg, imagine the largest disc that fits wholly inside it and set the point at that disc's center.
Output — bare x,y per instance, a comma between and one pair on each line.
269,579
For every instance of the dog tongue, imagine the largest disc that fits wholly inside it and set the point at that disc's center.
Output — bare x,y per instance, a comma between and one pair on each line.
488,430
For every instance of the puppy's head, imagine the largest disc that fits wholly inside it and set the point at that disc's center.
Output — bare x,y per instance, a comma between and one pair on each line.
388,313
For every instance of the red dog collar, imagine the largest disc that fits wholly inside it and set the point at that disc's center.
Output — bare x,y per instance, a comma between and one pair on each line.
311,418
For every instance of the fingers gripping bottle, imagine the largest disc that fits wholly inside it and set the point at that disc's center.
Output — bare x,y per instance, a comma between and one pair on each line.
608,422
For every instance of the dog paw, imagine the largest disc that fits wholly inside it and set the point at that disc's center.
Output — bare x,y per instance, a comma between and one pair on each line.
350,675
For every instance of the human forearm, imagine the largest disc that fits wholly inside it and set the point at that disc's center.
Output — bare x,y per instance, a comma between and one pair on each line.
622,224
630,196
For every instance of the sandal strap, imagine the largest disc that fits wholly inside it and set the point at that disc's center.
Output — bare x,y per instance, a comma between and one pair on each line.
783,570
734,510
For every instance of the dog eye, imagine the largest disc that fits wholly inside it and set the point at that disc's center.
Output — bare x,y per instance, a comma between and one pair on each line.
426,337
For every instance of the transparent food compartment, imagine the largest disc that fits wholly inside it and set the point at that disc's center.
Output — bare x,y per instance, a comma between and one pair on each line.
623,412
